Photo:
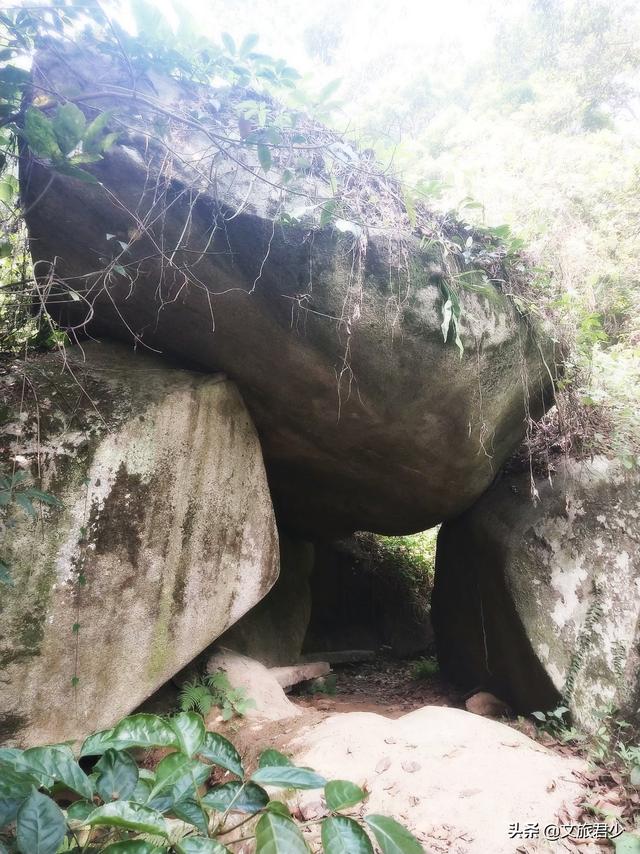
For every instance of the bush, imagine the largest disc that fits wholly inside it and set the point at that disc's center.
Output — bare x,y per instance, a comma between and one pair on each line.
120,808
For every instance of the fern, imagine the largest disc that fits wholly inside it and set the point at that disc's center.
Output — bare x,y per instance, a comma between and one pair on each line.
196,696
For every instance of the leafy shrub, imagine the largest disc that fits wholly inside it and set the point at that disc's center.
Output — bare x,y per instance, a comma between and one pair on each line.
424,668
121,808
201,694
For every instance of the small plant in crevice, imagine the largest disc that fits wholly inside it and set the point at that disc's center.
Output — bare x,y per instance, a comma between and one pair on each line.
17,489
202,693
120,807
556,724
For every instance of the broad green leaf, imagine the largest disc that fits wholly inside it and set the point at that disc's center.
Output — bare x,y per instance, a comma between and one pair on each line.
627,843
248,44
92,142
68,125
343,835
264,156
392,837
79,811
66,168
279,807
198,845
189,728
15,783
40,826
288,777
56,763
190,811
144,730
39,133
272,758
229,43
635,775
236,797
341,794
277,834
118,776
222,753
180,775
99,742
129,816
9,809
133,846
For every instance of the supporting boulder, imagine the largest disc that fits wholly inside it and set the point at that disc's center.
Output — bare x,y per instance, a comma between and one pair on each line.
538,601
341,337
165,535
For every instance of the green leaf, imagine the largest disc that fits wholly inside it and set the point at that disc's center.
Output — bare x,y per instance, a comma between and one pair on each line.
130,816
327,212
40,826
392,837
198,845
635,775
9,809
236,797
279,807
180,775
342,835
273,758
66,168
58,764
190,811
264,156
39,133
68,125
99,742
627,843
14,783
222,753
276,834
189,729
144,730
288,777
341,794
133,846
93,140
248,44
118,776
229,43
79,811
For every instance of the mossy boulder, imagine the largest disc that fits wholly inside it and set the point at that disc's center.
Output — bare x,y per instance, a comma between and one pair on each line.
538,601
164,538
333,331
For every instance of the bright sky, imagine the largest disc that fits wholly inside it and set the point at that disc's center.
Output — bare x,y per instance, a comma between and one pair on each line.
369,28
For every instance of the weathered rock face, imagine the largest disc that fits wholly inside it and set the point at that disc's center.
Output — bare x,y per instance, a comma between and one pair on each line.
274,630
368,420
165,538
535,601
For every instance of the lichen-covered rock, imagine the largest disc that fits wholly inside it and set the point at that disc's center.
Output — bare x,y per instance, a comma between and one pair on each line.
166,535
274,630
538,601
368,419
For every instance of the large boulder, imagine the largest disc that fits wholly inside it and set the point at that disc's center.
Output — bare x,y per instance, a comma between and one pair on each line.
273,631
459,782
539,600
333,333
165,537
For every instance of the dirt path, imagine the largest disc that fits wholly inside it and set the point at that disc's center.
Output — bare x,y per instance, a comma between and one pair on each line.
385,686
